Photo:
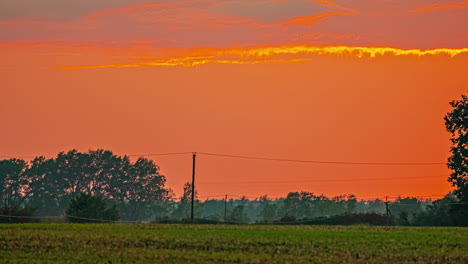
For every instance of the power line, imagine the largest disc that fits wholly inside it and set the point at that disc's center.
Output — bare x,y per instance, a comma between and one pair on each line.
418,196
412,204
230,195
326,162
269,159
336,180
211,196
159,154
18,157
365,198
130,155
370,198
68,216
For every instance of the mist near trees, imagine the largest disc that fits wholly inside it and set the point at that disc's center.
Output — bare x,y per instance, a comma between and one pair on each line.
100,184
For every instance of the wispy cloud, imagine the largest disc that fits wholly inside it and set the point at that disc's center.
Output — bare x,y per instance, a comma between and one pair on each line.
279,54
329,3
311,20
441,6
227,23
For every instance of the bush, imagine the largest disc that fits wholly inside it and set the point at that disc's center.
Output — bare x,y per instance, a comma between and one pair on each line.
87,208
18,214
343,219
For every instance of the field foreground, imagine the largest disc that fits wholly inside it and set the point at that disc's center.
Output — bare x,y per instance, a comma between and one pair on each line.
108,243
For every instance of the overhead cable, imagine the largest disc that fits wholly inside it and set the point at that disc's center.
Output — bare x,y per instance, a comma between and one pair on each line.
325,162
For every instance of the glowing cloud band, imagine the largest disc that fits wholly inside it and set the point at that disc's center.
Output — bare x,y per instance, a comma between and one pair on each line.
283,54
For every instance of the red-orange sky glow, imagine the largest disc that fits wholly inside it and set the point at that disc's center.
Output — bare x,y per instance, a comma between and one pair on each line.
357,81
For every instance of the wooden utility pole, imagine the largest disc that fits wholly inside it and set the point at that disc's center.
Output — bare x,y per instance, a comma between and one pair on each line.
386,209
194,156
225,208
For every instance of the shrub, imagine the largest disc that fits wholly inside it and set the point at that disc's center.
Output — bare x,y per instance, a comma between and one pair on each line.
17,214
87,208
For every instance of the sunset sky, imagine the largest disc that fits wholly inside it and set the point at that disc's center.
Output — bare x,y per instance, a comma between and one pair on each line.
344,80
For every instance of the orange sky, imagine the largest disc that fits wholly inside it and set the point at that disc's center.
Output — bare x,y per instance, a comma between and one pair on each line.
257,78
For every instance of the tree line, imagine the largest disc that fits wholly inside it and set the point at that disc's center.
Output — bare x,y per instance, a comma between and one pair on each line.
72,182
309,208
47,186
101,185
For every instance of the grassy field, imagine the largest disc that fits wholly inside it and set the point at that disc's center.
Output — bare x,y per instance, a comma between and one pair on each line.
109,243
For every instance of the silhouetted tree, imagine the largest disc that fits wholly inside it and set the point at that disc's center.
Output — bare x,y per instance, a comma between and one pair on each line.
138,188
267,210
306,205
69,176
405,209
238,213
15,191
291,205
437,214
213,209
183,209
374,206
142,189
43,186
88,208
14,182
323,206
456,123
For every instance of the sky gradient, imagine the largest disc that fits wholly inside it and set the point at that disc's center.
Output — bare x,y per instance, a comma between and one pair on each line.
357,81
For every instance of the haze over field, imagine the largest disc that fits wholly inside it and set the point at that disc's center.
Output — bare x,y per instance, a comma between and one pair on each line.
357,81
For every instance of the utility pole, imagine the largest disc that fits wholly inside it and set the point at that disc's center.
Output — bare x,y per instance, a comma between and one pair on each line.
386,207
225,208
194,156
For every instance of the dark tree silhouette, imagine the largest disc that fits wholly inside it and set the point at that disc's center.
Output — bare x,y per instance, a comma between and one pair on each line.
405,209
238,213
267,210
43,186
456,123
182,211
14,191
87,208
291,205
138,188
13,183
142,189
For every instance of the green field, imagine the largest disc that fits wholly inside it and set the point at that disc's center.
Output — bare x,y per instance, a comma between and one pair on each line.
109,243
